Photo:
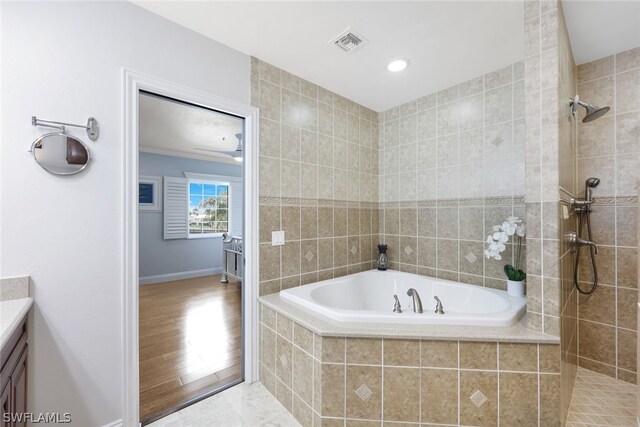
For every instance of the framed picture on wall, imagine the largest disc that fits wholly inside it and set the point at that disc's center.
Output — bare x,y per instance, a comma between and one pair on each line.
149,193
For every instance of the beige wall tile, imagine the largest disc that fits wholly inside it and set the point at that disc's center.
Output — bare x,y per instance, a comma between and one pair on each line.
284,326
439,396
549,358
303,377
303,338
627,308
627,348
478,355
627,91
364,351
401,352
597,342
284,360
599,306
367,403
518,357
550,400
486,383
518,399
401,394
302,412
439,354
333,391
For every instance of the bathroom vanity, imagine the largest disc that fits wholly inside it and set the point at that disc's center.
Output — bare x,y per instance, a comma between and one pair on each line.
14,308
13,375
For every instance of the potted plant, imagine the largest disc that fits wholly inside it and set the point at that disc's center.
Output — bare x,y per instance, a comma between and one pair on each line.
496,244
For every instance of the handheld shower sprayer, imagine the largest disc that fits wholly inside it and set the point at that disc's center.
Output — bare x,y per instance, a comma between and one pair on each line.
589,185
583,210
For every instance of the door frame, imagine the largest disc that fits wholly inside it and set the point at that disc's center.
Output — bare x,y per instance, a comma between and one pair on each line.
132,83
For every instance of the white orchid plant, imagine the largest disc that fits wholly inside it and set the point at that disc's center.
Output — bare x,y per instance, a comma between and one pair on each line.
496,244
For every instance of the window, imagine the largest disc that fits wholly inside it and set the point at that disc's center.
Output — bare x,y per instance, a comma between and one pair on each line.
208,208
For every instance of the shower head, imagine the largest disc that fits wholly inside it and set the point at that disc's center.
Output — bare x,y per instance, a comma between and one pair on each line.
592,182
593,111
589,184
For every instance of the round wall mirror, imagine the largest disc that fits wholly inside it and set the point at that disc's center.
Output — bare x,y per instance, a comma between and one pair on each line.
60,154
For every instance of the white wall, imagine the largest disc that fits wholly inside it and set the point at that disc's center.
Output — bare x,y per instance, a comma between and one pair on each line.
63,61
167,259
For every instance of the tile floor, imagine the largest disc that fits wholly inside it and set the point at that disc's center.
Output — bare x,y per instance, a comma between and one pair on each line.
245,405
599,400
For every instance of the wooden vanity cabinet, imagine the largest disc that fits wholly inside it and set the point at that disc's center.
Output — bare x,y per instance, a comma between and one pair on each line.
13,376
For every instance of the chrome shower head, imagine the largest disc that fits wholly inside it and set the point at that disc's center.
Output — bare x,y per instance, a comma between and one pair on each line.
593,111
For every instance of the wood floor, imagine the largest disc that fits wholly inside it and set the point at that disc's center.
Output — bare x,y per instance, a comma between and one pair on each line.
190,341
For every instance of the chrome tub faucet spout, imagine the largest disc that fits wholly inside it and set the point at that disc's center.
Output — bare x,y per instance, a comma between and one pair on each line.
417,302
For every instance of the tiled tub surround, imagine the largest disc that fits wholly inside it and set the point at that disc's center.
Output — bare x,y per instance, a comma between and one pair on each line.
354,381
609,148
318,180
451,166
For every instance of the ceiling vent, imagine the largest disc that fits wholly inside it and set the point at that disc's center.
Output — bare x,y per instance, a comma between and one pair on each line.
349,41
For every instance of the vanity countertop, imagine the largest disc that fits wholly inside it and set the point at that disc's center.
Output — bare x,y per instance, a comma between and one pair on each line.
11,314
326,327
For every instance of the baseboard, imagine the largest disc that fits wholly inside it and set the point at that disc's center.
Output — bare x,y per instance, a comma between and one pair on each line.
179,276
116,423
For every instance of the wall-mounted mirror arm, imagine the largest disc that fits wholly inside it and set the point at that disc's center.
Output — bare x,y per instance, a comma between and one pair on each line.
92,127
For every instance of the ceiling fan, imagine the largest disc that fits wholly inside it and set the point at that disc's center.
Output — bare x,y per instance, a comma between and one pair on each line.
237,154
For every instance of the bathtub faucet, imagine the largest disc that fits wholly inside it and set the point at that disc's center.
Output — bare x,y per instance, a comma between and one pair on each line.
417,302
396,305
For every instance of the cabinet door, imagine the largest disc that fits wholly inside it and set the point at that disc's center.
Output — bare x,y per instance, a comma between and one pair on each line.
19,388
5,405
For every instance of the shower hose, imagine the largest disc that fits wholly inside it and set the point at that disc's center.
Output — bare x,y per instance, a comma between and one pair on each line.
587,215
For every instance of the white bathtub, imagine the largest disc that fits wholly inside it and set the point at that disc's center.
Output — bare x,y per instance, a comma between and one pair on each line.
368,297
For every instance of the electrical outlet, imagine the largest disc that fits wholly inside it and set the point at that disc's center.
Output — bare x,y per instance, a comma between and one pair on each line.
277,238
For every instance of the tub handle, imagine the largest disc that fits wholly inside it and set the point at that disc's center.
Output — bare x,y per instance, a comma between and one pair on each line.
438,309
396,305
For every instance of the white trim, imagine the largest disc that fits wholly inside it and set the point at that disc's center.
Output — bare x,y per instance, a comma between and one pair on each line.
213,157
116,423
132,83
223,179
169,277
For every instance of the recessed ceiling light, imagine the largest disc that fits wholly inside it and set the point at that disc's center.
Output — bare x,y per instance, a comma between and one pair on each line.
397,65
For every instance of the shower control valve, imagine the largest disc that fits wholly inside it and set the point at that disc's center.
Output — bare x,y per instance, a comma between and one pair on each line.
575,242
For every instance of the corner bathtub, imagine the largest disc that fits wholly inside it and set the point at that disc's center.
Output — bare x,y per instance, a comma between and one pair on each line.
368,297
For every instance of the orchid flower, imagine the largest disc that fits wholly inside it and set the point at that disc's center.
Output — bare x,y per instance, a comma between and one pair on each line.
513,226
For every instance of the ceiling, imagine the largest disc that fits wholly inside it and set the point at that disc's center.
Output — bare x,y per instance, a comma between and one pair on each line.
602,28
177,129
446,42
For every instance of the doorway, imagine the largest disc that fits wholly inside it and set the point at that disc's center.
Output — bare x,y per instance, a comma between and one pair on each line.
189,322
190,238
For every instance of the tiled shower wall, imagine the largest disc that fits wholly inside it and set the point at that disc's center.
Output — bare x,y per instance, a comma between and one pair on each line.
609,148
451,166
318,180
550,181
